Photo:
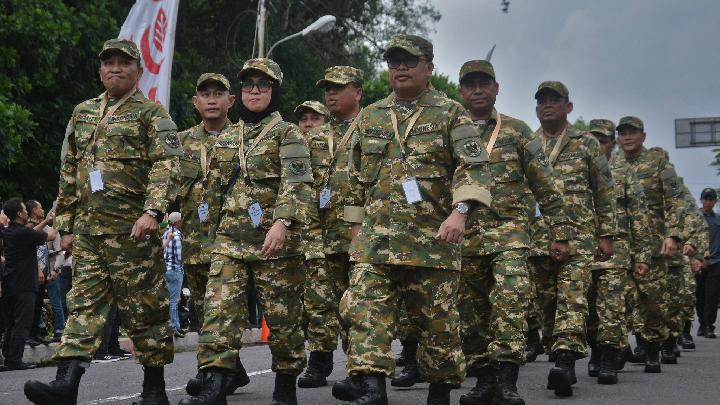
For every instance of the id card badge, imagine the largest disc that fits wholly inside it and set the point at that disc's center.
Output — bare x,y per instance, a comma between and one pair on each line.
203,211
412,190
96,181
256,213
325,195
537,210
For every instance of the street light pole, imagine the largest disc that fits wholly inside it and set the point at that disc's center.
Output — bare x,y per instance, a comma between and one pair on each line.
262,16
322,24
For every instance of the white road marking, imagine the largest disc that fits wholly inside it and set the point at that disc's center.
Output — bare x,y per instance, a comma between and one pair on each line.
137,394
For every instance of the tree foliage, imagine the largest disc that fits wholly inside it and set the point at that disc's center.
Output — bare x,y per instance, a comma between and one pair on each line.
378,88
48,62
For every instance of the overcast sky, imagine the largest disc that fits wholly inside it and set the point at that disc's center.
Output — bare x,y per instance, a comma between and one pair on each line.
657,59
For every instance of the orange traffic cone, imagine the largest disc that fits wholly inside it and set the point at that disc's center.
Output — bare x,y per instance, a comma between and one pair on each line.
265,333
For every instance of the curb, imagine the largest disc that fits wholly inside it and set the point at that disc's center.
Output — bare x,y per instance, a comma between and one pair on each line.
43,354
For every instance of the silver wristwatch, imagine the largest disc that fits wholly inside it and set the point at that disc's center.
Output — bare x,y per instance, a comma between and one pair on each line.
462,208
285,222
152,213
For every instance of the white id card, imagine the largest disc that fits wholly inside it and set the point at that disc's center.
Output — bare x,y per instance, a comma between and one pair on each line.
537,210
203,211
412,190
325,195
96,181
256,213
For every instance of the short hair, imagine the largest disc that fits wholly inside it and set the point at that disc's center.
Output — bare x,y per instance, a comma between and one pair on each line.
12,207
30,205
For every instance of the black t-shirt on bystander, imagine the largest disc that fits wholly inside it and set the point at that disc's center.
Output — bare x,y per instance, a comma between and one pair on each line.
20,250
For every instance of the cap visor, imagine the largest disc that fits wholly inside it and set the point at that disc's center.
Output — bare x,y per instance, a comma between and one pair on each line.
105,52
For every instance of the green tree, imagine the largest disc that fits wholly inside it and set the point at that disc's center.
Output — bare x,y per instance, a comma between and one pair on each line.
580,124
379,88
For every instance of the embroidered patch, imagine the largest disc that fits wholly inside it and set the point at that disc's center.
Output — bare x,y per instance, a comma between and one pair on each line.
172,141
472,149
298,167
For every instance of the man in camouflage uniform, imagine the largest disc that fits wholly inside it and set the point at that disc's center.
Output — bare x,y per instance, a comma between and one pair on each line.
663,195
494,282
589,204
311,114
606,324
327,275
258,196
118,176
417,166
212,100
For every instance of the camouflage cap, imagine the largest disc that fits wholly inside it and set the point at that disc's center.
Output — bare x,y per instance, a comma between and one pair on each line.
341,75
412,44
313,106
477,66
554,86
123,45
602,126
212,77
262,65
634,122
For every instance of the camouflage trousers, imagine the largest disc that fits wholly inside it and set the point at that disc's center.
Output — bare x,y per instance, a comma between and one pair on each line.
197,278
606,322
113,270
649,310
279,286
325,282
675,300
688,310
561,290
371,303
493,300
405,331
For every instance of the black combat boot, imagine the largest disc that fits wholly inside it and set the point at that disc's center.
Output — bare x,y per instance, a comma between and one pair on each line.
607,374
212,392
153,392
623,356
410,375
61,391
348,389
320,365
484,390
652,360
640,350
507,392
439,394
667,353
560,377
594,363
533,348
400,361
676,348
686,339
236,379
372,390
284,393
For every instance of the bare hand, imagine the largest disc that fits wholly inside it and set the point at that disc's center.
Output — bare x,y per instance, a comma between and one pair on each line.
605,249
274,240
669,247
560,251
41,277
453,228
144,226
354,231
50,216
696,265
53,275
66,242
689,250
641,269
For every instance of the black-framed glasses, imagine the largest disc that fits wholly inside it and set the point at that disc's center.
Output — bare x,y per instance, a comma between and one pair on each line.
410,61
263,85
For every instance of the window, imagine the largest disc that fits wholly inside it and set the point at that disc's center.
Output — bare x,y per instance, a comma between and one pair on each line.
697,132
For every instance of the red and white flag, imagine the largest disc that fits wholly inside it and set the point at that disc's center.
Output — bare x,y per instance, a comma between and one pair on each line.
151,25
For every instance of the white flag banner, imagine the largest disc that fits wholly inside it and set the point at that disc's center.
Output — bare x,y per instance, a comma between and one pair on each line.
151,25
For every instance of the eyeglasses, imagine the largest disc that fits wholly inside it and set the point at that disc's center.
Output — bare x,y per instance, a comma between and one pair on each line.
262,85
409,61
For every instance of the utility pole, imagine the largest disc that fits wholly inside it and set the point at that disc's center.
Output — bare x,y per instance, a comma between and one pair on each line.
262,16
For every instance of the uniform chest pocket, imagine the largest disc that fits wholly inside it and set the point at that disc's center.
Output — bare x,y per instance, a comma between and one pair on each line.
83,137
573,172
189,170
505,164
319,154
263,162
427,154
123,141
373,153
226,158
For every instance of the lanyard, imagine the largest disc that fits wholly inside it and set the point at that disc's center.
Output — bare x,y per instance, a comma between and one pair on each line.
556,149
410,125
343,140
103,121
243,155
493,137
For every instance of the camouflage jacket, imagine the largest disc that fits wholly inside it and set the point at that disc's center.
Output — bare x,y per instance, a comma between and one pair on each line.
663,192
136,152
694,230
634,240
193,189
519,167
279,178
446,156
586,182
336,232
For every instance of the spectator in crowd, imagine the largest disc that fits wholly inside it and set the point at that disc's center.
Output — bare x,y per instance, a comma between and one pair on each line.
109,349
66,277
707,287
19,281
172,246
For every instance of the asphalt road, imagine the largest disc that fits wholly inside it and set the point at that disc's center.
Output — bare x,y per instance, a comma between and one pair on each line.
695,380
